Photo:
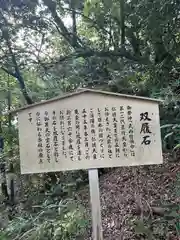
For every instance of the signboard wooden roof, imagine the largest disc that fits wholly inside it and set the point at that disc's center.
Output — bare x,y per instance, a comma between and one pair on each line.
89,129
86,90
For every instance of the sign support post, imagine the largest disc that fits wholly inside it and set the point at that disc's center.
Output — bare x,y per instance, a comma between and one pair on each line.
95,204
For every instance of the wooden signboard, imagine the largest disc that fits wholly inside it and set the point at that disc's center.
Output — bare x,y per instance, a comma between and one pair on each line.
89,129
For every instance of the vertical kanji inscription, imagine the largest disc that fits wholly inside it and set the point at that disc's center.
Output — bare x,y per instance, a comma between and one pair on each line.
86,135
115,126
62,133
93,134
108,130
100,133
69,130
131,131
145,128
39,140
123,131
55,136
47,135
78,136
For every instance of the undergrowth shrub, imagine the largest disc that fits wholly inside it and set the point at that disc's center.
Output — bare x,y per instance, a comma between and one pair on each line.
65,220
169,116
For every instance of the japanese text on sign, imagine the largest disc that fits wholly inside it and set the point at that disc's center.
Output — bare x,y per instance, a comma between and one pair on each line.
81,135
145,128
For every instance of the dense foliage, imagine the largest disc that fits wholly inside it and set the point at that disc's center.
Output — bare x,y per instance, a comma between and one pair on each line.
49,47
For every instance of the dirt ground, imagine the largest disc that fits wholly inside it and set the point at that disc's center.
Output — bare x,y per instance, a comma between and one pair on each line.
139,202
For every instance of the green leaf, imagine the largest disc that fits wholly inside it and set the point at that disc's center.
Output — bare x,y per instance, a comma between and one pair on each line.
88,5
166,126
140,228
177,146
168,135
176,126
172,215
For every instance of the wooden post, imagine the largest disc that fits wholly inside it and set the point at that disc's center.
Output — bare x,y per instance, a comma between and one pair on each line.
95,204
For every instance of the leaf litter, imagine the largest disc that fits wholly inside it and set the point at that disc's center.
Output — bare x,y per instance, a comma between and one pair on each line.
139,202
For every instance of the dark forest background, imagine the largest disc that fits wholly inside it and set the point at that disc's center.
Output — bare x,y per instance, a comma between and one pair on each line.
48,48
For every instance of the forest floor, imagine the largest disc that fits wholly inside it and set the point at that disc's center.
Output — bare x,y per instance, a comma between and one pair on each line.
139,202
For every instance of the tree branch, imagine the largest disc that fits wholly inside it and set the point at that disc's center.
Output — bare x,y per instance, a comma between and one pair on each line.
8,72
122,22
17,74
89,53
95,24
74,28
64,31
135,42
